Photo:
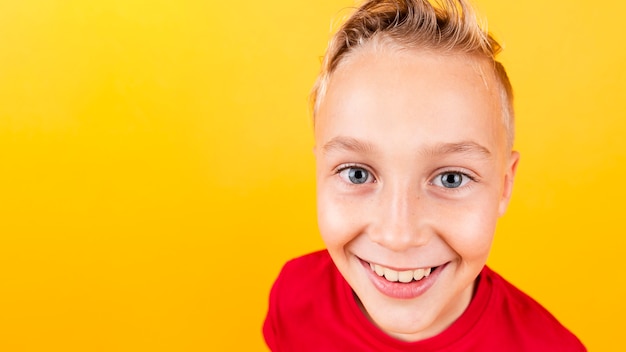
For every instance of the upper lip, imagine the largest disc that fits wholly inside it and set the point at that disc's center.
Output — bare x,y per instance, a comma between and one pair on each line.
395,268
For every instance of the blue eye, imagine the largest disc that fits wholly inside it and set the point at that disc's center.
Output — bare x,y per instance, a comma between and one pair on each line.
451,179
355,175
358,176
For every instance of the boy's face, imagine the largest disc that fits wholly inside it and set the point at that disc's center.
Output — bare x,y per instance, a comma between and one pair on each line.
412,173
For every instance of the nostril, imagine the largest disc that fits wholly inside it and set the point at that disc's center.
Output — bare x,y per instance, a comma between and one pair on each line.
401,239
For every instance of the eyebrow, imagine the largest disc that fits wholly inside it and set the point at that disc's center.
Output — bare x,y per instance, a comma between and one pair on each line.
355,145
465,147
347,143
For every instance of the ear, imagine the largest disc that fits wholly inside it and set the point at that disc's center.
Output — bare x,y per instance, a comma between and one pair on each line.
509,177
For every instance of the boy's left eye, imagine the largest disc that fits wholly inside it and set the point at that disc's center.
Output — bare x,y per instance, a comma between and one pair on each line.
451,180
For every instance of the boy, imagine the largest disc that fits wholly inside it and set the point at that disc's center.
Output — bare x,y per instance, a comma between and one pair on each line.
414,132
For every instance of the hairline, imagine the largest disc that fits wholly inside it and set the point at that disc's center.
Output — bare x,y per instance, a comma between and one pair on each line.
445,27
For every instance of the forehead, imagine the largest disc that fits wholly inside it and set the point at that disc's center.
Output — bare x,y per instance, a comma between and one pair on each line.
390,96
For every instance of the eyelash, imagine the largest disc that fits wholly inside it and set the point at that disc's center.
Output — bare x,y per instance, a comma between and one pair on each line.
461,172
344,167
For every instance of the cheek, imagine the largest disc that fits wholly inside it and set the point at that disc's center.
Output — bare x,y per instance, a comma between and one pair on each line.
330,222
337,219
473,231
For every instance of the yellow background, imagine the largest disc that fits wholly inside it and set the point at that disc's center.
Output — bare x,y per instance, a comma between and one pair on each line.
156,167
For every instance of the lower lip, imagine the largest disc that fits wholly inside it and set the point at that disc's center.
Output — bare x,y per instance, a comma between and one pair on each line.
402,290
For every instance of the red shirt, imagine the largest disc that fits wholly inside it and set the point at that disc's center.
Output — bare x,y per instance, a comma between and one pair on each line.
312,308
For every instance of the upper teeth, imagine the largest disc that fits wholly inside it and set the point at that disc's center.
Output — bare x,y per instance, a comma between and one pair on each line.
402,276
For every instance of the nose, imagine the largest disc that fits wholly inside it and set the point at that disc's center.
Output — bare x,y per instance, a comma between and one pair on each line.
402,221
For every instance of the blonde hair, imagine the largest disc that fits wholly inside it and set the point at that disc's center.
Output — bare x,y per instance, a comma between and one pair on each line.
448,26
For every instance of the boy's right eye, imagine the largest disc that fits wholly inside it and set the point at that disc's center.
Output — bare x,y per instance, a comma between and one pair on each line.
356,175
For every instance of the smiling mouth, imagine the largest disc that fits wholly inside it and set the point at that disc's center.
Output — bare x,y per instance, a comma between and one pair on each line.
404,276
